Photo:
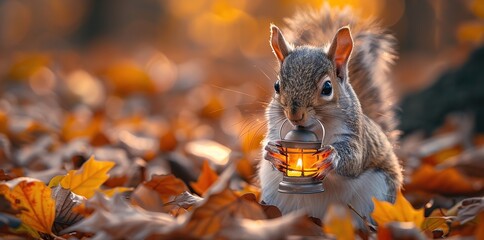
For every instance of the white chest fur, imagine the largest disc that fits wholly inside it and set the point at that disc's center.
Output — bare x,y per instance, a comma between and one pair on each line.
338,189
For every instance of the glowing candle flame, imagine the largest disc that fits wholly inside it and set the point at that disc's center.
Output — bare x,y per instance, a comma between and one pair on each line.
299,164
297,170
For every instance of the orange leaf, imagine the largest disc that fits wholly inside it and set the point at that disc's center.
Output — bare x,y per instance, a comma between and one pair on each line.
447,181
401,211
34,200
127,77
166,185
75,127
219,210
338,222
207,177
88,178
479,233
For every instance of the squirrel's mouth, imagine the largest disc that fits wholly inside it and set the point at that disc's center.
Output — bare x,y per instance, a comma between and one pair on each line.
308,122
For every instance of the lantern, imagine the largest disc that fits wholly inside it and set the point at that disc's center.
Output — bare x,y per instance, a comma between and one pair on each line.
299,146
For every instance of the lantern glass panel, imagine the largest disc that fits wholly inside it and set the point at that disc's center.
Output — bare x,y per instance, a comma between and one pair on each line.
300,162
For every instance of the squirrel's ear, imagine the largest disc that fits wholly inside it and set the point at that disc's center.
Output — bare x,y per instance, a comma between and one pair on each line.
278,43
340,50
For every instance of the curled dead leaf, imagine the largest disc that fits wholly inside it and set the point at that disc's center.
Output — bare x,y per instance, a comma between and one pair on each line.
271,211
294,224
185,200
115,218
65,201
167,186
220,209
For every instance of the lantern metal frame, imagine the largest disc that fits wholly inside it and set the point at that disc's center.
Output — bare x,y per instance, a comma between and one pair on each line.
305,144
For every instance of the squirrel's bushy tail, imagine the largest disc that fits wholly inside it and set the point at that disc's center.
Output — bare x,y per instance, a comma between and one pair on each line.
370,62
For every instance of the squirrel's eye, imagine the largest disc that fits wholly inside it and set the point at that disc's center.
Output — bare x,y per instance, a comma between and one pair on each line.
327,88
277,87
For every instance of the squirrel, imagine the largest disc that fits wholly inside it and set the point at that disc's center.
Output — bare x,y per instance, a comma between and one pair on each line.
341,78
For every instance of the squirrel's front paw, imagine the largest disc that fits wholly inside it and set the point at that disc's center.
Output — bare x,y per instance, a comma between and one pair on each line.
274,154
327,156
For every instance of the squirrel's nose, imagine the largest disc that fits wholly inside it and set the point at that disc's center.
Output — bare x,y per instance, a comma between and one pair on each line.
297,118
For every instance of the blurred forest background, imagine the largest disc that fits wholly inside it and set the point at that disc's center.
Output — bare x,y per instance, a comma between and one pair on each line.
150,82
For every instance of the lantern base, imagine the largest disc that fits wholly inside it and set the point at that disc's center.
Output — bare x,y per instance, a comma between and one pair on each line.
300,185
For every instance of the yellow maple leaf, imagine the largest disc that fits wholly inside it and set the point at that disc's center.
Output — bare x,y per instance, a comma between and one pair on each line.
88,178
207,177
33,199
401,211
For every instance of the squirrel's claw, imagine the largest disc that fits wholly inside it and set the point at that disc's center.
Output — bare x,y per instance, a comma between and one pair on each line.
274,153
275,147
275,161
325,165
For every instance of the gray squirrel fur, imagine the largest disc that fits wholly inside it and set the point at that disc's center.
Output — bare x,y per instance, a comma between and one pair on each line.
358,116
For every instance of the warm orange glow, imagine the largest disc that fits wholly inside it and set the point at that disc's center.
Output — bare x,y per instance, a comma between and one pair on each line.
297,172
300,162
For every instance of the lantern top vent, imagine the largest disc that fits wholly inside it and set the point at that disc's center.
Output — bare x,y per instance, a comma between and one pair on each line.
301,134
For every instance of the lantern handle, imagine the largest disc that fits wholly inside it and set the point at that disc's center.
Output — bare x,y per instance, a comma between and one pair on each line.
317,120
324,131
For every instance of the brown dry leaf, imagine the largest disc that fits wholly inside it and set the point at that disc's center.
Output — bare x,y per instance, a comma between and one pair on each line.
271,211
447,181
401,211
207,177
4,176
294,224
168,141
147,199
167,186
115,218
249,188
470,163
400,231
33,199
65,201
467,209
185,200
479,234
442,155
338,221
220,209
